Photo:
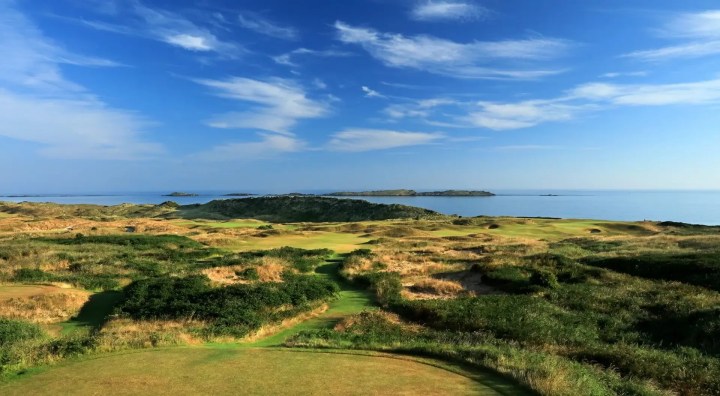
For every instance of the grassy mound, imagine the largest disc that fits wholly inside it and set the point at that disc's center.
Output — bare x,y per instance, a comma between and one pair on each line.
302,209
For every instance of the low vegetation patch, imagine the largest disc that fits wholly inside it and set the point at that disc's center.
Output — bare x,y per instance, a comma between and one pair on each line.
302,209
234,310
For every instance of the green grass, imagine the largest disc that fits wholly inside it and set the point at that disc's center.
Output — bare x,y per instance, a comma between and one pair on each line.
351,300
180,371
558,229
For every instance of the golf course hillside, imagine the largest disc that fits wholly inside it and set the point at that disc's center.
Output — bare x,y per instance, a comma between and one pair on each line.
307,295
302,209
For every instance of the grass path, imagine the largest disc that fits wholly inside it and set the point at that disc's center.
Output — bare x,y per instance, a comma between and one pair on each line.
351,300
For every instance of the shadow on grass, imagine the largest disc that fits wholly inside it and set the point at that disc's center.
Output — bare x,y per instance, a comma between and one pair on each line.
95,312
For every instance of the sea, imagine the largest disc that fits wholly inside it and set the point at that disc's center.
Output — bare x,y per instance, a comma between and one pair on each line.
696,207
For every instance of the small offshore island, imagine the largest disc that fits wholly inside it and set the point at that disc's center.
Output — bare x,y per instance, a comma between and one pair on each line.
412,193
181,194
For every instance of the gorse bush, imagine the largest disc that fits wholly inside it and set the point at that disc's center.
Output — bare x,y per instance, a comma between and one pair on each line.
32,275
15,331
702,269
521,318
544,278
78,279
233,310
137,241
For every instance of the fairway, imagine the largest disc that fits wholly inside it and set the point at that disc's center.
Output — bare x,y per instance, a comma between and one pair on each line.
185,371
339,242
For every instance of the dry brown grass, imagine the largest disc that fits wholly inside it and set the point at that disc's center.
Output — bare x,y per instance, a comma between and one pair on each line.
356,265
270,269
225,275
440,287
120,334
45,308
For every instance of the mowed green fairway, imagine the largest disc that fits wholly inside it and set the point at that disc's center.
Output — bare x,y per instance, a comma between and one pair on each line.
198,370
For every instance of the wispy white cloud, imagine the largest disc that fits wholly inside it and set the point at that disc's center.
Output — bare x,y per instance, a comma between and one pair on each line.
319,84
280,103
624,74
404,86
164,26
379,139
477,59
31,60
502,116
287,58
443,10
269,146
179,31
417,109
526,147
687,50
39,104
699,33
582,99
694,93
704,24
371,93
260,24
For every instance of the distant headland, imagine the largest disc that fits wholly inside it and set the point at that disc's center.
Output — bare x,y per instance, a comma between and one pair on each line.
412,193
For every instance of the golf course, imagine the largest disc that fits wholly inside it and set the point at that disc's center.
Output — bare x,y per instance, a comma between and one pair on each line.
224,298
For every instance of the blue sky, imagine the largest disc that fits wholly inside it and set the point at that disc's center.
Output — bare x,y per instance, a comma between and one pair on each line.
110,95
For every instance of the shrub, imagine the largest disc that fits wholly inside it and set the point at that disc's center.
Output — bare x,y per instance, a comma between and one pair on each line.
249,274
544,279
14,331
231,310
32,275
520,318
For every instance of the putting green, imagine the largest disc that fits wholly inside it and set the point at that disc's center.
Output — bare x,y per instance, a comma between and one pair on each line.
199,370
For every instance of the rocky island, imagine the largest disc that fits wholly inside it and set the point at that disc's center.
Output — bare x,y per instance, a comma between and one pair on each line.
181,194
412,193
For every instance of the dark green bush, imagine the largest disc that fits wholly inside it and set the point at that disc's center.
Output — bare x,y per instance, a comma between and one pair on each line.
249,274
14,331
137,241
702,269
361,253
94,281
520,318
233,310
32,275
509,278
544,279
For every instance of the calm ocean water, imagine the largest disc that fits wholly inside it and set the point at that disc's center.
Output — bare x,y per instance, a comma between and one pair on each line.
699,207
